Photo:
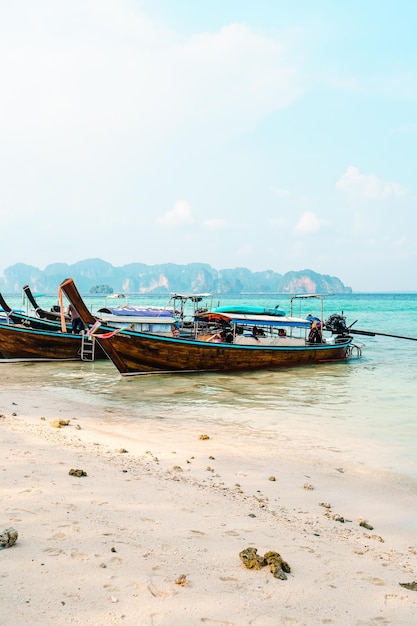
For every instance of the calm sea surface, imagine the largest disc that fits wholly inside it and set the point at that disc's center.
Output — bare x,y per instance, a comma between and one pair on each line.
368,404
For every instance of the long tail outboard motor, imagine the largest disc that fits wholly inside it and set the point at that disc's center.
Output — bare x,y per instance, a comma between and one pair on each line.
336,324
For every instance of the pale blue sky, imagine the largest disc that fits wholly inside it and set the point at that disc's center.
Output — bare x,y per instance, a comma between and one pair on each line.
266,134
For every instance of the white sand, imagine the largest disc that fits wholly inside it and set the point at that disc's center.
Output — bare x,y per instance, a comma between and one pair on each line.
108,548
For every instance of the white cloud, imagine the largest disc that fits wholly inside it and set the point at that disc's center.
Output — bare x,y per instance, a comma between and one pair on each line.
74,71
406,129
308,224
214,224
281,193
367,185
180,214
244,251
400,243
277,222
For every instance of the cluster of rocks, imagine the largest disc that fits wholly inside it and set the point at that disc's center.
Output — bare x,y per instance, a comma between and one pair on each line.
252,560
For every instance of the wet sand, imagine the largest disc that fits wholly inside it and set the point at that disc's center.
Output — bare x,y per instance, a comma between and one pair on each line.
152,533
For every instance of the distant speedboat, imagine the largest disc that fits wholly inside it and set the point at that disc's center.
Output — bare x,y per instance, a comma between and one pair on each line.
243,342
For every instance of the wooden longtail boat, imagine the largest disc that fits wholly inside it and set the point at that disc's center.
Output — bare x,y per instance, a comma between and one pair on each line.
28,344
17,317
137,353
53,316
27,338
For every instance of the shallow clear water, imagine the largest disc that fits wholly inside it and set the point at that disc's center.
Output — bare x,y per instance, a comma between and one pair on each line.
367,404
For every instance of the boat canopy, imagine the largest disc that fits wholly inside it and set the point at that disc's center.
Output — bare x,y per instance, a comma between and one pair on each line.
306,296
256,320
250,310
194,297
139,311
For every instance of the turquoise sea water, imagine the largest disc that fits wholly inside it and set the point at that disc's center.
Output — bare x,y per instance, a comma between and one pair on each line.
366,406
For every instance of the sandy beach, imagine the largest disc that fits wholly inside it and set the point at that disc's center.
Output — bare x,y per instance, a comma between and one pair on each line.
152,533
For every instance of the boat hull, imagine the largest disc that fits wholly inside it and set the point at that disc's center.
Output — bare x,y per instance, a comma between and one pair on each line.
17,342
137,353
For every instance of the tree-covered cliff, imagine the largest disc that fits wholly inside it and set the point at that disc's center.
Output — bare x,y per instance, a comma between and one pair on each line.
166,278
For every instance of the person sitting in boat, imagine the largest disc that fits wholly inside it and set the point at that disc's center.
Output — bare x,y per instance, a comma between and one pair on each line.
175,328
76,321
315,335
312,319
282,332
227,336
216,338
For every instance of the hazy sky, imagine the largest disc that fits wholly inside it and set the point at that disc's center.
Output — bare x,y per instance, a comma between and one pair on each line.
265,134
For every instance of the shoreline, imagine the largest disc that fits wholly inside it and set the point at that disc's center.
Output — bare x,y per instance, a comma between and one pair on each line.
152,534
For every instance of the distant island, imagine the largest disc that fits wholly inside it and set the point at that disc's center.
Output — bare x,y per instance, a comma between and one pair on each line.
98,276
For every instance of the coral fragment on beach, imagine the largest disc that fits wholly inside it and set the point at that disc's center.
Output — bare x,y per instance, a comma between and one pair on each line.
204,437
251,559
58,423
412,586
365,524
277,566
8,538
181,580
77,472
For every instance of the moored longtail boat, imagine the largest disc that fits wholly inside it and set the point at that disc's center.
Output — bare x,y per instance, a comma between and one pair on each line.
53,316
28,344
137,353
33,339
18,317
